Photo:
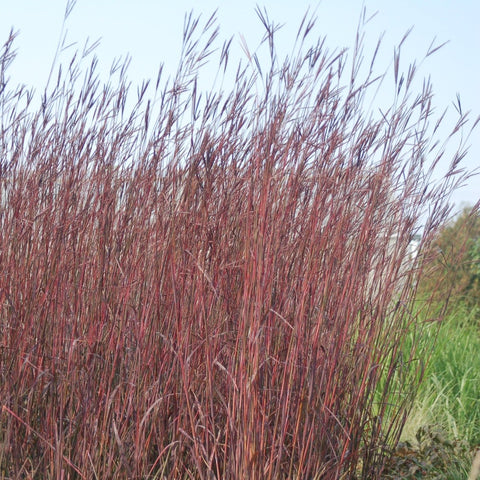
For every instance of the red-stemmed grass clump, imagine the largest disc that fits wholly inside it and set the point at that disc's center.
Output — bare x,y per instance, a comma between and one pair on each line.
212,285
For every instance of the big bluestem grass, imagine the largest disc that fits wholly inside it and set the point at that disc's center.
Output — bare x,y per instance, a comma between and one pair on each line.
212,284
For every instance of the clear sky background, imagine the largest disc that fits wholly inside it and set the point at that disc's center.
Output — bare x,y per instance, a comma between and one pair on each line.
151,32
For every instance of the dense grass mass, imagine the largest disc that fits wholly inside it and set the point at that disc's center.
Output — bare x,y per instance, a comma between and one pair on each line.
442,432
213,285
450,396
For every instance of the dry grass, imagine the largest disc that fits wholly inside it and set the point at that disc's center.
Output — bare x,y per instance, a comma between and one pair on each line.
211,286
475,471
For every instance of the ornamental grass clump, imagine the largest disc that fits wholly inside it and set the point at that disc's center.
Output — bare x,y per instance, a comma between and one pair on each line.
213,284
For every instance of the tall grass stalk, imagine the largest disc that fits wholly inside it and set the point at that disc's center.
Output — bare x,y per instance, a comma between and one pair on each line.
212,284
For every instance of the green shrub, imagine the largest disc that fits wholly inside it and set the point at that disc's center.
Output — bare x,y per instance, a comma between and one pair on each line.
455,269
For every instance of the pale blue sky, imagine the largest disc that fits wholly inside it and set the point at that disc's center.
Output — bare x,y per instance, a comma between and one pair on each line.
150,31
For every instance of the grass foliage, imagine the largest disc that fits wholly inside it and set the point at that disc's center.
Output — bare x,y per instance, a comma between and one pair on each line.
213,284
442,431
450,395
